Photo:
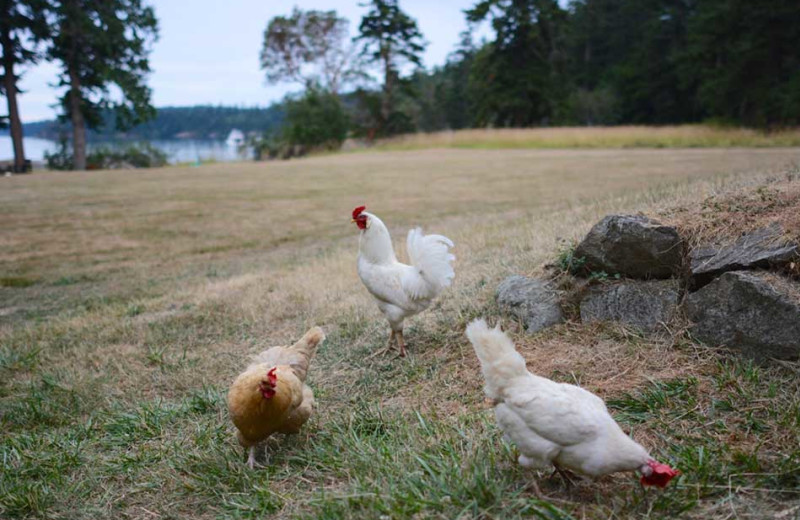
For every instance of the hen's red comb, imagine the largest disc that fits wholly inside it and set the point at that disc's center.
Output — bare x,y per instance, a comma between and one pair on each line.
358,210
661,475
272,377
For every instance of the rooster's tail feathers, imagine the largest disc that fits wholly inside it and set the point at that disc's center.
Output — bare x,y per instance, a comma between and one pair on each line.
500,361
430,255
307,348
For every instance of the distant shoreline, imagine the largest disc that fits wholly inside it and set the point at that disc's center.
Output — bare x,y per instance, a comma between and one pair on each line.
177,150
202,122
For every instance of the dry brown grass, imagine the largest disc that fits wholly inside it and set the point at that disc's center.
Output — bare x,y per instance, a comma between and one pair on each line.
725,217
122,230
149,287
685,136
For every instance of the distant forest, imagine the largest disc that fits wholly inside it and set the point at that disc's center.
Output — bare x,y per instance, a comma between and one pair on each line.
586,63
606,62
197,122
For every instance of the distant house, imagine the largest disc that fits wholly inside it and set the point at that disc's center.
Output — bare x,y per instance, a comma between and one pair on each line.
235,138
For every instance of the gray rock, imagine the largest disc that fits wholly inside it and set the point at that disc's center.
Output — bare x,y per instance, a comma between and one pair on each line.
533,301
633,246
644,305
764,247
755,313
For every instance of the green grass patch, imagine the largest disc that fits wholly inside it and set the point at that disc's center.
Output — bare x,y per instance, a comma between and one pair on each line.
72,280
16,281
697,427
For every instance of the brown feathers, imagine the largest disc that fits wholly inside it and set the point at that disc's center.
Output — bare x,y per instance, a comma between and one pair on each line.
257,414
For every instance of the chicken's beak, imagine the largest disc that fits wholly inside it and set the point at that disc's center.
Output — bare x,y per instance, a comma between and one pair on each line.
353,220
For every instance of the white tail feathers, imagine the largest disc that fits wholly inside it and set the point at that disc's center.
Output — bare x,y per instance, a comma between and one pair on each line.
500,361
430,255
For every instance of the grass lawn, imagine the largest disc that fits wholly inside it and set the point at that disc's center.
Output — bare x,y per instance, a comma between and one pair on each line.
130,300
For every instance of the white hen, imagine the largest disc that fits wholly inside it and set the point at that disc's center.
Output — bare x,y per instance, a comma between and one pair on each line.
556,423
401,290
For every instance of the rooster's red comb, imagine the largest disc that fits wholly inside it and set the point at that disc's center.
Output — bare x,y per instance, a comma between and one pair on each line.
358,210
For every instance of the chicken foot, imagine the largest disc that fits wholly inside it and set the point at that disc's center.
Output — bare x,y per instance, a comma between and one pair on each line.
396,337
251,457
389,346
564,474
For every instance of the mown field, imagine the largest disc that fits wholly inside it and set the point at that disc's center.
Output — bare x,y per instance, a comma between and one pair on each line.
130,300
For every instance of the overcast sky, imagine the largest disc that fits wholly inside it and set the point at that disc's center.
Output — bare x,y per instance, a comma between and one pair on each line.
208,50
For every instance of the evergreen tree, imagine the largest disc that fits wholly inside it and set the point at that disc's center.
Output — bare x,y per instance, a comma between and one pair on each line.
441,96
517,79
745,57
101,43
390,38
678,61
646,74
22,27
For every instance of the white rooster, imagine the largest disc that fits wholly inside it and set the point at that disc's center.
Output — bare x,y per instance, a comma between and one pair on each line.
401,290
556,424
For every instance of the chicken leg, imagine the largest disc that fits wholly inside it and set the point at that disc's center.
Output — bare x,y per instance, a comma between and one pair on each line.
400,342
564,474
251,457
389,346
533,486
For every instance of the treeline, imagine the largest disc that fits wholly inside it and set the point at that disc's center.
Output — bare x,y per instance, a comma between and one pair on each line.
621,61
196,122
594,62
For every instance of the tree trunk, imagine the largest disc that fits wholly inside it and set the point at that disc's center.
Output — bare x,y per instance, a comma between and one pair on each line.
10,87
388,79
78,122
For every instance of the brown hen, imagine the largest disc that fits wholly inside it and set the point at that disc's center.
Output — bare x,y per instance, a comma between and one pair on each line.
271,396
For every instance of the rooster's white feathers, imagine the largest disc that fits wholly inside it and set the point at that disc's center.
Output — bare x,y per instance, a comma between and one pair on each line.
431,258
403,290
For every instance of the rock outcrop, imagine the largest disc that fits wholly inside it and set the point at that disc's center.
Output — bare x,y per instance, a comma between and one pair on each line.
742,294
765,247
644,305
632,246
753,312
533,301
